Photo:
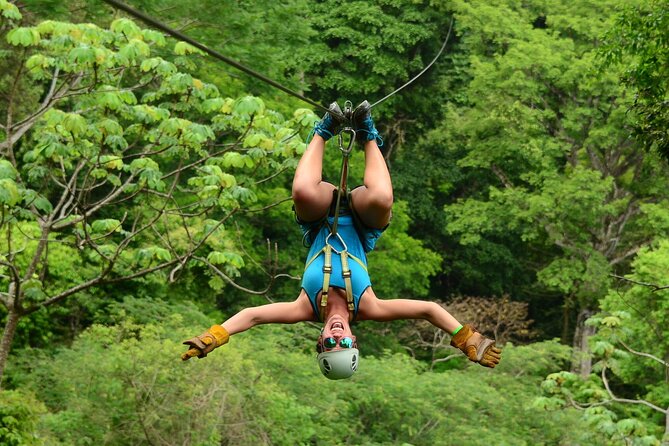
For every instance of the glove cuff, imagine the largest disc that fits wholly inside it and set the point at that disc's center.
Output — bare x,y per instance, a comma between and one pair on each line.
202,345
461,337
220,334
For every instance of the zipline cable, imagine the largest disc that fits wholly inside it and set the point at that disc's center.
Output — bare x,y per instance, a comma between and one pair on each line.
448,35
178,35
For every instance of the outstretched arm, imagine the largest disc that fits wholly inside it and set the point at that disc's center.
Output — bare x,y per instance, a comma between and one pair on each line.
375,309
277,313
473,344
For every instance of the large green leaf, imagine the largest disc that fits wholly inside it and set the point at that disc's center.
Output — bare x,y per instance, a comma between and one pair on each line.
7,170
106,225
184,48
23,36
127,27
9,192
9,10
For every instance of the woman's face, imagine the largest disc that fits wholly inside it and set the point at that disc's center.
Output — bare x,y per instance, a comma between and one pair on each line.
337,328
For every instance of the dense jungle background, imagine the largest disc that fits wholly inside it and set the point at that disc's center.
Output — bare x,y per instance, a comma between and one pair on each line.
145,195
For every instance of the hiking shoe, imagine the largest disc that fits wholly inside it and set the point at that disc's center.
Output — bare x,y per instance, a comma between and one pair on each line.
364,124
331,122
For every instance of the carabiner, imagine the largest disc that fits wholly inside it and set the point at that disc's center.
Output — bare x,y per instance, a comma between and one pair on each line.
346,150
341,240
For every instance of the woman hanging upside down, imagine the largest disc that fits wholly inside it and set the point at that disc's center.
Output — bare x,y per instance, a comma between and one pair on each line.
336,287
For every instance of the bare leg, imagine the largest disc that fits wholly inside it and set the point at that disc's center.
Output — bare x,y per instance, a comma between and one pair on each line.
311,195
373,201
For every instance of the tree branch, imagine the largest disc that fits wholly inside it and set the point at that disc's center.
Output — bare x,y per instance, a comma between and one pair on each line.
447,358
235,284
269,206
195,163
279,172
57,298
16,275
618,225
100,278
646,355
654,286
22,127
626,400
630,252
44,239
502,176
582,406
95,207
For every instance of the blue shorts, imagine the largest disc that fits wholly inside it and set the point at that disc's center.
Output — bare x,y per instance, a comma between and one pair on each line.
312,279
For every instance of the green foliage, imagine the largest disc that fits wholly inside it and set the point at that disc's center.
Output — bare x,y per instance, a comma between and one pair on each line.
115,158
23,36
19,416
640,41
630,345
604,422
553,172
255,34
9,10
365,50
400,265
124,384
635,317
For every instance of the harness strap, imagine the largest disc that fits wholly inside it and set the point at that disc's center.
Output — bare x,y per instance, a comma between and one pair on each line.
357,260
346,272
351,256
327,273
327,270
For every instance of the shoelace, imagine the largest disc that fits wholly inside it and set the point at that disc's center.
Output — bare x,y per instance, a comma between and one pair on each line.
321,131
320,127
373,133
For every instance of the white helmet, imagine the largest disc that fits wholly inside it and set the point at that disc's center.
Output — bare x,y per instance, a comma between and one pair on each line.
339,364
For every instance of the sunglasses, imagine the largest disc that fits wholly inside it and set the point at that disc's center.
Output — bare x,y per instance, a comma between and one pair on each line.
329,343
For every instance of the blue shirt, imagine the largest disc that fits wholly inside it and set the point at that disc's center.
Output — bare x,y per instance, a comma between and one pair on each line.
312,280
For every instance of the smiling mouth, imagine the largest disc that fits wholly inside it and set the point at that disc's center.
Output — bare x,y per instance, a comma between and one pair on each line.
337,326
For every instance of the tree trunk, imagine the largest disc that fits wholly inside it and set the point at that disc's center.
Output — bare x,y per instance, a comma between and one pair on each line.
13,317
582,359
565,323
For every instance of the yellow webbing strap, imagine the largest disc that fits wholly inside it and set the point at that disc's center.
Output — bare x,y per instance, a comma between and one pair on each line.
346,272
327,270
357,260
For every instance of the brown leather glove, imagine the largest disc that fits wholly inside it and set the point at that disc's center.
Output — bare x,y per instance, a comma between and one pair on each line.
477,347
201,345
